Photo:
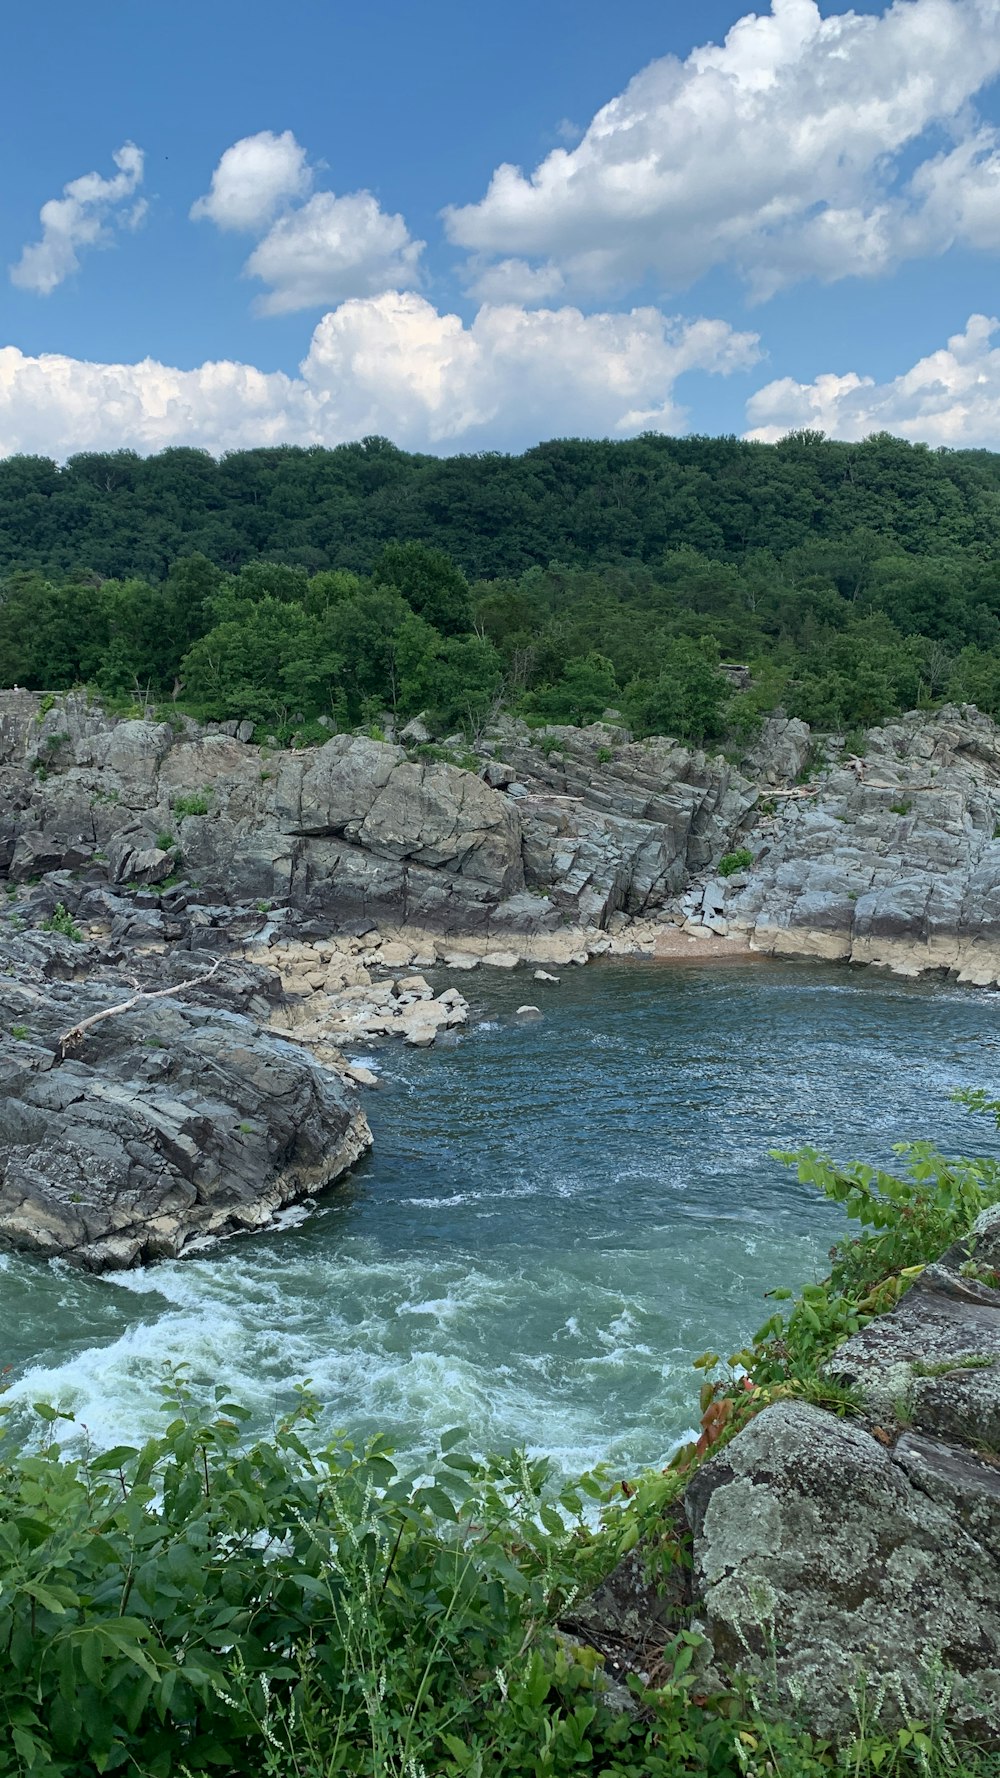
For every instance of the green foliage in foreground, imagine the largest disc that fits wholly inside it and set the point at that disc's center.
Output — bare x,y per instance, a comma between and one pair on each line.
201,1605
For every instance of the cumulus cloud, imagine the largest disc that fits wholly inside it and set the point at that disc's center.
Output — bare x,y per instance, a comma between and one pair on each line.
331,249
951,397
256,177
390,364
85,216
321,250
779,152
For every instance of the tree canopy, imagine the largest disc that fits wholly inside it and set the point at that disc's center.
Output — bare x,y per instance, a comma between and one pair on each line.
284,584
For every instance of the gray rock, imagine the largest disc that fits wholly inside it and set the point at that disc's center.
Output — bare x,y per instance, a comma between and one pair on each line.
174,1121
821,1555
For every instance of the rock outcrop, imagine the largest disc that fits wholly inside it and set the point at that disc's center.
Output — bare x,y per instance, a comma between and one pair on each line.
571,826
892,859
847,1567
179,1119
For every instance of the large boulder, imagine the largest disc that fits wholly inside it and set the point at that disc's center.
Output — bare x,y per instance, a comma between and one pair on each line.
840,1574
174,1120
847,1569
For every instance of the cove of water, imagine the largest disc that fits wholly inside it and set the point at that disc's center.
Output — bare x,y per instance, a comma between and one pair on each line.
558,1216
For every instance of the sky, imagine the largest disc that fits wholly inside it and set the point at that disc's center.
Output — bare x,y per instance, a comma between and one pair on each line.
469,228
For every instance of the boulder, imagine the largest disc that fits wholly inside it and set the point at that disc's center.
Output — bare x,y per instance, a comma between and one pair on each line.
173,1120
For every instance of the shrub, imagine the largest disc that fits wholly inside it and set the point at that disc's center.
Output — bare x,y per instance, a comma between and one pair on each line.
196,804
60,920
165,840
735,861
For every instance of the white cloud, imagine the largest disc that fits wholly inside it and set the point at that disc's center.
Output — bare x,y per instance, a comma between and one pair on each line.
779,153
331,249
256,177
82,217
389,364
314,252
951,397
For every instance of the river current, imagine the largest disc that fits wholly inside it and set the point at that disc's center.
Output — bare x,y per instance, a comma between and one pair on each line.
558,1215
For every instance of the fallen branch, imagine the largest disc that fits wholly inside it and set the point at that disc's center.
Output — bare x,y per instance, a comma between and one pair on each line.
69,1038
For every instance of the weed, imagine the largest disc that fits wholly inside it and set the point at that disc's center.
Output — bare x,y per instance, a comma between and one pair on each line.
21,1033
969,1361
732,862
195,804
61,920
901,808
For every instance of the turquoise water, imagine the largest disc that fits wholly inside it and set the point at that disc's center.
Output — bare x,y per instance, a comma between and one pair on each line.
557,1218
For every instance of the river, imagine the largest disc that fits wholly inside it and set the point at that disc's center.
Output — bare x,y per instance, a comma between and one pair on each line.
558,1215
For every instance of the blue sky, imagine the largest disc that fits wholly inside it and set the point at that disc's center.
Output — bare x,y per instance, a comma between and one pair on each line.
788,228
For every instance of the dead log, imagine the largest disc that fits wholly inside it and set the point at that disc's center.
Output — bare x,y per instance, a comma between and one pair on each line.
142,998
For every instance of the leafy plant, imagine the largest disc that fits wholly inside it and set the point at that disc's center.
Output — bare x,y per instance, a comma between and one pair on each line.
736,861
197,803
901,808
61,920
20,1032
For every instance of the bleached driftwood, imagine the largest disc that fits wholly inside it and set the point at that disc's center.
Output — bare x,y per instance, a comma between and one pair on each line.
141,998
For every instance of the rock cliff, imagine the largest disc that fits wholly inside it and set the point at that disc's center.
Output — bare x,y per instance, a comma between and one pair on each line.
891,859
571,830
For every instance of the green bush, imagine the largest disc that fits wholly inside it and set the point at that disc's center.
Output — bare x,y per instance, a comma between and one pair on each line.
60,920
196,804
735,861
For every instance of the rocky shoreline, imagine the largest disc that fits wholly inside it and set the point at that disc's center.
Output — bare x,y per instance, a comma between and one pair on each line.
276,906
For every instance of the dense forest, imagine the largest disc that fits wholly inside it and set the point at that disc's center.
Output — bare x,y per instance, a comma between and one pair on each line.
287,584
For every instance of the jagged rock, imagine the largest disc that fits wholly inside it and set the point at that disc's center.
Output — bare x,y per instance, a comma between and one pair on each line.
780,751
820,1554
416,733
165,1124
892,860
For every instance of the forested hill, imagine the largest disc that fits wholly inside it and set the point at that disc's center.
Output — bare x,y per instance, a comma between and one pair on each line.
570,501
291,584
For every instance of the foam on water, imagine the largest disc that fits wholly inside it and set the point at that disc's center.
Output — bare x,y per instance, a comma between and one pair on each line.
556,1219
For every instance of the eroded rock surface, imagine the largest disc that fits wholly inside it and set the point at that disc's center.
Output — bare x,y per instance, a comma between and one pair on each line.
894,859
825,1548
848,1568
355,828
181,1119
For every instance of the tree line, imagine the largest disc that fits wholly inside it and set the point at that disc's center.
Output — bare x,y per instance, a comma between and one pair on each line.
287,585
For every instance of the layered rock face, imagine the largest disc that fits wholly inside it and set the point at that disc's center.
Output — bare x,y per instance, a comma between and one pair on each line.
893,859
353,825
612,824
890,859
576,829
177,1119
